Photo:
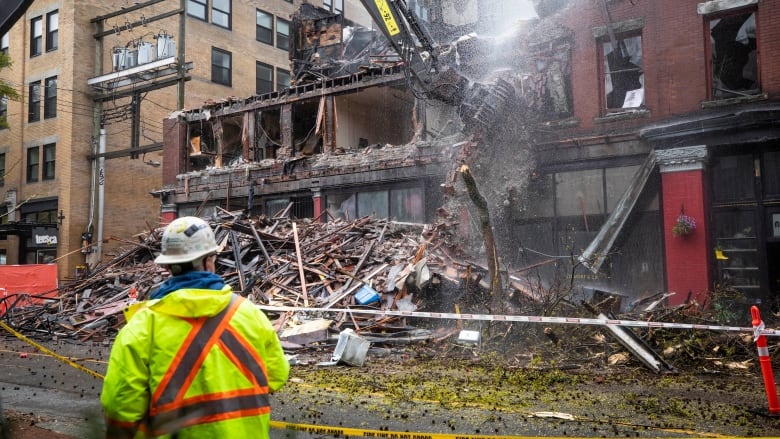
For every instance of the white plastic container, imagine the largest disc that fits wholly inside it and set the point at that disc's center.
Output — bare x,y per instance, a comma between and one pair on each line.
351,348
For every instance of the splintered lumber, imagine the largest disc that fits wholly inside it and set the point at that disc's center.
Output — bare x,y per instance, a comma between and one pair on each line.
270,260
300,266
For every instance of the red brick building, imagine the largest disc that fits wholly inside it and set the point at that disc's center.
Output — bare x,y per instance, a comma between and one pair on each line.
629,115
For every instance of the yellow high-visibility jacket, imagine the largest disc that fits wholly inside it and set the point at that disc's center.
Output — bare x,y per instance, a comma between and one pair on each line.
198,363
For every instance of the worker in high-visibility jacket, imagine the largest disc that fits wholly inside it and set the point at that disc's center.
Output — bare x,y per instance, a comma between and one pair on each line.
196,360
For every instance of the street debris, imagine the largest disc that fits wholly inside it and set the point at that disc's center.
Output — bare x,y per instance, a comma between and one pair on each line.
339,264
319,269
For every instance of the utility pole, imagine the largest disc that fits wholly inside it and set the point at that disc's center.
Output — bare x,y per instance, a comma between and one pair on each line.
128,82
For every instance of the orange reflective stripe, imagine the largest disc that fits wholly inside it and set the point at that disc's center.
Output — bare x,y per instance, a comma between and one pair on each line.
190,356
244,357
209,411
123,424
170,411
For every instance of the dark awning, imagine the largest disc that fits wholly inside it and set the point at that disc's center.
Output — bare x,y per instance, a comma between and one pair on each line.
21,229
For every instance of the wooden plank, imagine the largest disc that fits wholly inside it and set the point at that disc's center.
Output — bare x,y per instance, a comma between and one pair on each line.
300,266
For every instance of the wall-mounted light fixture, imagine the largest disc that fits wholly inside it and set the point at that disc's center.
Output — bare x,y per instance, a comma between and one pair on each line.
61,217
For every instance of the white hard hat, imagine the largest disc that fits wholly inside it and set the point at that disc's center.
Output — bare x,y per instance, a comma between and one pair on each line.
186,239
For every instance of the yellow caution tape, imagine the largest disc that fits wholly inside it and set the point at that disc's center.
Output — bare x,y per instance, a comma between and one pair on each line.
345,432
309,428
65,360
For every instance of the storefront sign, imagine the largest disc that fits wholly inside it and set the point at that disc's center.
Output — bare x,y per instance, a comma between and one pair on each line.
44,237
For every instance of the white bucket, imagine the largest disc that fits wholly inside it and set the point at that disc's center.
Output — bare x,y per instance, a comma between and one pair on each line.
351,348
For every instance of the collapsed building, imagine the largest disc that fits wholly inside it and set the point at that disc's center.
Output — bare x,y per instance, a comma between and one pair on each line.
584,178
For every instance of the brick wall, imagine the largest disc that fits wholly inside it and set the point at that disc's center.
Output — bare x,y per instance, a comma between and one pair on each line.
674,58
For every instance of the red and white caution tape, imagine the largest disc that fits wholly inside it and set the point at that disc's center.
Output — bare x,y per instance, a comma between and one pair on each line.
525,319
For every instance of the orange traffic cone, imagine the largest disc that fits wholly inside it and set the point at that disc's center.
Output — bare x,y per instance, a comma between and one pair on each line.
765,362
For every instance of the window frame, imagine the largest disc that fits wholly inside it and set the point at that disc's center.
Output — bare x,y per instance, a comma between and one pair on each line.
280,86
5,43
283,37
36,41
204,4
334,6
52,35
605,109
229,69
219,12
270,81
50,98
49,161
34,102
2,168
33,167
4,110
748,10
266,31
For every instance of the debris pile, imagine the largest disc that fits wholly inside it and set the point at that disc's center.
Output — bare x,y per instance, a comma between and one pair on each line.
366,262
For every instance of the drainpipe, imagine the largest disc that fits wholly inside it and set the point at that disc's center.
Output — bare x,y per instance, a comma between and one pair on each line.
101,192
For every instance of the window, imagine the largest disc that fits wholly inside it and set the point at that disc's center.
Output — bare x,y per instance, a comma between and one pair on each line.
49,156
50,98
623,75
34,107
52,30
733,55
221,66
282,79
3,112
220,13
197,9
33,163
36,36
264,78
265,27
282,34
2,168
404,205
4,43
334,6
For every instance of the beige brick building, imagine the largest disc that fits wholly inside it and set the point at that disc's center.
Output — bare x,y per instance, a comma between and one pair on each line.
85,64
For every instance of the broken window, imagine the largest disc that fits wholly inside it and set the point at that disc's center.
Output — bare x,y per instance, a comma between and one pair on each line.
269,135
202,146
623,75
290,207
401,204
733,55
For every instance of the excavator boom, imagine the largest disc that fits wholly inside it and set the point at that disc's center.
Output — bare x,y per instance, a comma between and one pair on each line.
480,105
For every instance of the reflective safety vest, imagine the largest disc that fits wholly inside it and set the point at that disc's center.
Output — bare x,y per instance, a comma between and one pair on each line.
170,411
173,371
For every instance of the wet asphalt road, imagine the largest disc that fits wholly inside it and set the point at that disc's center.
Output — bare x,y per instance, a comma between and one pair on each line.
66,400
